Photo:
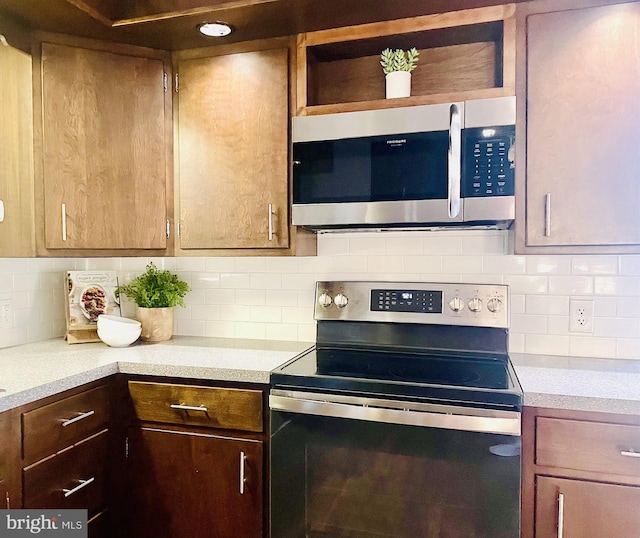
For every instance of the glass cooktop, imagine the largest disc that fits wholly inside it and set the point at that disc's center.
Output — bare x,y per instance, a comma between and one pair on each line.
487,380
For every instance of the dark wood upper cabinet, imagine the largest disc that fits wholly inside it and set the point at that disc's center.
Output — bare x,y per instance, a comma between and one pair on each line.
102,175
578,116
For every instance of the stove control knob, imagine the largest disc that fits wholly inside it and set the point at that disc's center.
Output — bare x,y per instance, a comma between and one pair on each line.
324,300
456,304
475,304
341,300
494,305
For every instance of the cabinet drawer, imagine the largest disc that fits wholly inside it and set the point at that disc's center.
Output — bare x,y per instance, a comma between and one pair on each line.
588,446
235,409
53,427
73,478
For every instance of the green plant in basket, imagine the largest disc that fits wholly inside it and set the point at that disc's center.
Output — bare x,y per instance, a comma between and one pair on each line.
399,60
155,289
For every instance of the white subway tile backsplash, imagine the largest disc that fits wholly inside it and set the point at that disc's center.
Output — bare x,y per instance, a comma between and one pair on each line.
249,330
620,285
585,346
528,324
264,281
616,327
251,297
273,297
219,296
546,344
367,245
627,348
526,284
510,265
570,285
234,312
485,243
594,265
462,264
548,265
423,264
547,304
435,244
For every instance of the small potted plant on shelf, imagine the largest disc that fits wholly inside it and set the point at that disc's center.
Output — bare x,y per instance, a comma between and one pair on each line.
397,66
155,293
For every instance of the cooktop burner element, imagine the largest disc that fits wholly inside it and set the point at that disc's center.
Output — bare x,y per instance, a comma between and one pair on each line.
410,341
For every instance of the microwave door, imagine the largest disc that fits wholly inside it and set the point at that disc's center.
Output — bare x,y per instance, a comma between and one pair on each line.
374,181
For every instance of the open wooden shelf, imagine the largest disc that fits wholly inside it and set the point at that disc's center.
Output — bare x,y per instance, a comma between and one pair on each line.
463,55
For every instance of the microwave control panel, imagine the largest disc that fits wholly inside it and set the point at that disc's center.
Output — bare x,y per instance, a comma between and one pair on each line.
488,162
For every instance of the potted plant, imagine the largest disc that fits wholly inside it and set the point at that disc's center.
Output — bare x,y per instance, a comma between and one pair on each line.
155,293
397,66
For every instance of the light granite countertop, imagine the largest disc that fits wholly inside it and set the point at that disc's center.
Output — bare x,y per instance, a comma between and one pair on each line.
34,371
38,370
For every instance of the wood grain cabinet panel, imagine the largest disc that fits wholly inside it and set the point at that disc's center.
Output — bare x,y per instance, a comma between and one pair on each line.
16,154
233,120
10,483
73,478
58,425
195,485
582,114
103,149
214,407
586,509
588,446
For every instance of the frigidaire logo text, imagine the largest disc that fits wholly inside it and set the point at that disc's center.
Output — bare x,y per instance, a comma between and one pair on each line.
397,141
37,524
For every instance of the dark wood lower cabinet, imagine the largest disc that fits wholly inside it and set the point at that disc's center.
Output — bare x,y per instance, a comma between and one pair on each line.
196,485
584,509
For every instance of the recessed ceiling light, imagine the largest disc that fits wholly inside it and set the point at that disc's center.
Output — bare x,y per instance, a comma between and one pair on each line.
215,29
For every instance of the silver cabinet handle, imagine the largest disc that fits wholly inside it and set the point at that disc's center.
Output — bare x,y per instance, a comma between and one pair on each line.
243,478
82,484
77,418
453,158
560,514
182,407
630,453
271,232
8,501
64,221
547,215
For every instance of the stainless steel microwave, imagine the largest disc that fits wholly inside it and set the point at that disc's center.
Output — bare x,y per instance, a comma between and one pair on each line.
422,166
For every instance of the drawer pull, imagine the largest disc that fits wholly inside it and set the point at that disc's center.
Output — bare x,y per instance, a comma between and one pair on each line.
243,478
189,408
82,484
560,514
81,416
630,453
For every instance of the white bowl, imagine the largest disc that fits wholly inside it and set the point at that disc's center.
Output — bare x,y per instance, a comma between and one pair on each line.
118,332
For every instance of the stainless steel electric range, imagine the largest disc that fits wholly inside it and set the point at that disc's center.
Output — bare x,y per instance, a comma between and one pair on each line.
403,420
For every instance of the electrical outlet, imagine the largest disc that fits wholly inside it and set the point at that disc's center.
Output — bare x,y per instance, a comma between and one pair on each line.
6,313
581,316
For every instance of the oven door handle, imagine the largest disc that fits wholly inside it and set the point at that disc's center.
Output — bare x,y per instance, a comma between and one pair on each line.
503,423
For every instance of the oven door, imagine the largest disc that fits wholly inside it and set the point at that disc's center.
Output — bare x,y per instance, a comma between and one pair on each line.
349,467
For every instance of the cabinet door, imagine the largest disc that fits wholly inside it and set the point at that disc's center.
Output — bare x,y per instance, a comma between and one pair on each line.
586,509
10,460
188,484
104,154
583,112
233,151
16,154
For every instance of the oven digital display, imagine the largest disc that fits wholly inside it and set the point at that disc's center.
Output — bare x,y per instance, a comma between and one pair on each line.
427,302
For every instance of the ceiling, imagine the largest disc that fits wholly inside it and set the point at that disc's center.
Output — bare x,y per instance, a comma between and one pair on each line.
171,24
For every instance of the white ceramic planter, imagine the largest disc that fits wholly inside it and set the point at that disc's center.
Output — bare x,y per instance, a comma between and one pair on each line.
398,84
